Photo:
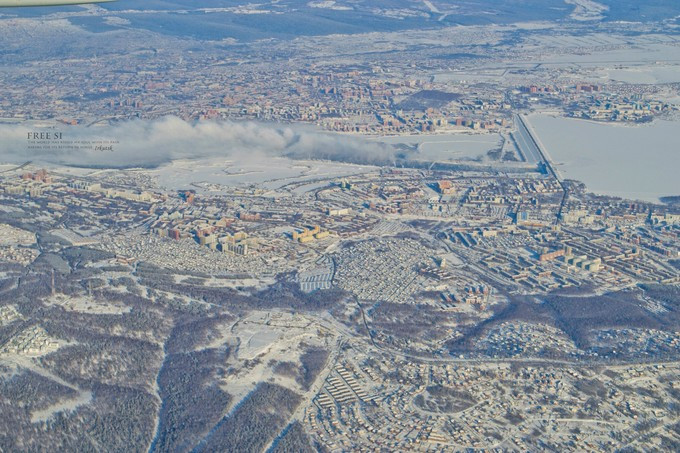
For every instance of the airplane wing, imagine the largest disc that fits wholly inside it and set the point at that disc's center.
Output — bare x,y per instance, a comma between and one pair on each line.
22,3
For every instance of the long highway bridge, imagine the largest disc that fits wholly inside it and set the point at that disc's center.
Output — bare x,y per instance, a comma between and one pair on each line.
532,150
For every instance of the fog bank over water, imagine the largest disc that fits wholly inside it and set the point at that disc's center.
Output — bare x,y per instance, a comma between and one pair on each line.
151,143
638,162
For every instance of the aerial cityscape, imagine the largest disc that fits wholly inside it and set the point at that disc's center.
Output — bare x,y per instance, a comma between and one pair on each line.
340,225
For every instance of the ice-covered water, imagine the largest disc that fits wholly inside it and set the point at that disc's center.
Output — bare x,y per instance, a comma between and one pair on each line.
646,75
272,173
637,162
445,147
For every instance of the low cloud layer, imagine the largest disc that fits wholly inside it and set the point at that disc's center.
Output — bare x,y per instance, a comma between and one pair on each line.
150,143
